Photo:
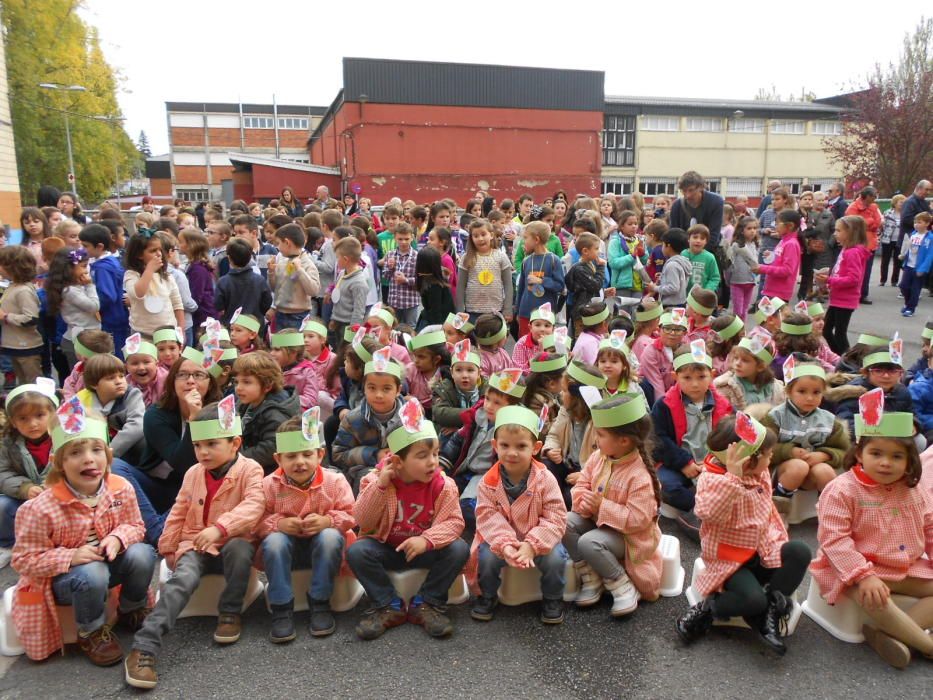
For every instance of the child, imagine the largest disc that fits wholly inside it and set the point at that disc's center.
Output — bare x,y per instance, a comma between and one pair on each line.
484,280
657,360
459,392
308,515
25,454
350,291
348,372
218,236
242,288
391,217
743,255
107,394
200,275
69,231
457,328
824,354
782,265
614,360
654,234
322,360
570,440
770,312
612,533
874,530
811,442
593,321
436,300
244,332
796,336
520,518
543,386
382,319
703,263
701,304
288,351
360,443
408,517
750,379
75,540
431,364
627,257
36,226
400,268
169,342
19,312
845,281
541,324
725,333
491,335
440,239
87,344
647,326
107,274
154,297
71,294
207,531
917,257
265,402
293,278
677,273
752,568
585,278
683,419
542,276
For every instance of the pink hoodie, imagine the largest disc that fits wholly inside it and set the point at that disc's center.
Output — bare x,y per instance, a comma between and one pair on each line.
845,280
782,273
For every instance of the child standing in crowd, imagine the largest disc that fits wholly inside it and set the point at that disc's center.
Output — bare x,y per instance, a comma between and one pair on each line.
677,273
391,217
484,280
542,276
350,290
241,288
19,312
400,268
107,274
71,293
845,281
585,278
36,227
704,265
436,299
200,275
627,257
153,295
782,265
293,278
917,258
441,240
743,255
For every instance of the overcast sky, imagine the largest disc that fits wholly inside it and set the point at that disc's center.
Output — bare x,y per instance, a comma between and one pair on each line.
236,50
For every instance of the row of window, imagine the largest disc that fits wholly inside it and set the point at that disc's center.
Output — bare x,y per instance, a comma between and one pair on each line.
741,126
269,123
735,186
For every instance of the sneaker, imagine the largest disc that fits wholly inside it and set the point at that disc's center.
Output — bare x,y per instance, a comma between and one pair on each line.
322,619
689,523
101,647
483,608
625,596
591,585
695,623
893,651
283,624
900,295
552,611
882,284
140,670
133,620
866,301
908,313
434,621
376,621
6,554
228,628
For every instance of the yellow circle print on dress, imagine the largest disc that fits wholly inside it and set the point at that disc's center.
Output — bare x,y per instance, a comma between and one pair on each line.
485,277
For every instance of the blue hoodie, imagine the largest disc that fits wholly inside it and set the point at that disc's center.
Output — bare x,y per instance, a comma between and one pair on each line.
107,274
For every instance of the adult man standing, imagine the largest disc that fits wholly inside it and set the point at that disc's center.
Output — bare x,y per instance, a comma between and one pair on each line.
697,206
321,197
766,200
837,204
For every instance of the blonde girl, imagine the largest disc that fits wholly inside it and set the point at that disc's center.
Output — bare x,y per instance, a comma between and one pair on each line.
484,278
647,326
614,360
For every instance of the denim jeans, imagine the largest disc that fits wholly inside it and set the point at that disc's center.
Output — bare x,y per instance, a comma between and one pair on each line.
409,315
551,566
234,562
282,553
155,497
676,489
283,320
8,508
86,587
371,560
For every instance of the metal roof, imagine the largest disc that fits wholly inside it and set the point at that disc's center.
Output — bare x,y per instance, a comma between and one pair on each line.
696,106
250,159
234,108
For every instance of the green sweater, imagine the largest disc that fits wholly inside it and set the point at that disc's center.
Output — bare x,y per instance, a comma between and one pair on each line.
553,245
705,269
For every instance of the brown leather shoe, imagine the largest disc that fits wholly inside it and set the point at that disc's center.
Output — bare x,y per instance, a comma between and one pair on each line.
228,628
140,671
133,620
101,647
376,621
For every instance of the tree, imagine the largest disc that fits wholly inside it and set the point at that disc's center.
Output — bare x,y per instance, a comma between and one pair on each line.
142,145
887,134
48,42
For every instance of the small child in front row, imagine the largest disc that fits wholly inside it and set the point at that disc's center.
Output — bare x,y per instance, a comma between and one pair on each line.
143,370
169,342
874,531
752,569
107,393
520,518
76,539
459,392
350,290
750,379
541,325
409,517
491,334
244,332
701,303
87,344
726,331
207,531
288,350
612,533
431,364
309,513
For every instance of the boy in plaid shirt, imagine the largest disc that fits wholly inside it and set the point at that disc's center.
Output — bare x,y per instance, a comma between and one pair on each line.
400,269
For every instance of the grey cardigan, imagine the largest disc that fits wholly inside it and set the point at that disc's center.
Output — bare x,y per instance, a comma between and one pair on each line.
743,257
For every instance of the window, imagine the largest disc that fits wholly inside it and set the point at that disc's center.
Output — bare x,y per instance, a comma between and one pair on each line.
296,158
618,185
713,184
821,184
618,140
782,126
827,128
704,124
792,184
192,195
660,123
651,186
747,126
258,122
298,123
749,186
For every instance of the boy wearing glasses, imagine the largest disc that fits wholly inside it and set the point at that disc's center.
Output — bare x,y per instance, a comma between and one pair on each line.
657,360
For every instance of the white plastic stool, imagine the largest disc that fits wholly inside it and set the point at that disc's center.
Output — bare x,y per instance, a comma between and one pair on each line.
845,618
802,506
10,644
347,592
520,586
693,598
672,571
203,602
407,584
670,512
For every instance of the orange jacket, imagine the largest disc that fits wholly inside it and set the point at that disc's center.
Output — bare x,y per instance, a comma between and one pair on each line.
872,216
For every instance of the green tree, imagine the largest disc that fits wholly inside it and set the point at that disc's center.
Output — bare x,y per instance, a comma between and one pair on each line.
142,145
48,42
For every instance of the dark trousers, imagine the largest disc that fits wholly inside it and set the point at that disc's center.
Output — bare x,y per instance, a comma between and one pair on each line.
806,276
836,329
743,594
676,489
866,280
155,497
560,472
911,285
331,428
888,255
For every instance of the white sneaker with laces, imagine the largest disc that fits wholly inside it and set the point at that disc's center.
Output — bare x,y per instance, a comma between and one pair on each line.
591,585
625,596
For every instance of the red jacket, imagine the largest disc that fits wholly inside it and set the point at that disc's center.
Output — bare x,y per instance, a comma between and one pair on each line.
872,216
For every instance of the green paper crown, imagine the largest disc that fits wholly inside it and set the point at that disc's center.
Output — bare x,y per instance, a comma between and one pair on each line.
315,327
503,383
383,315
424,340
539,315
606,344
732,329
517,415
230,355
698,307
400,438
93,429
806,369
879,358
164,334
247,322
746,449
577,372
24,388
613,416
892,425
81,350
392,367
595,319
495,337
667,319
294,441
869,339
293,339
649,314
466,328
193,354
814,309
927,333
796,329
689,359
212,430
348,334
763,354
145,348
777,305
552,365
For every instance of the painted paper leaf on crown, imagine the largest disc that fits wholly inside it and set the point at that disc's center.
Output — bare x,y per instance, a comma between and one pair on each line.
745,429
896,349
461,351
698,349
801,307
617,339
766,306
590,395
508,378
226,412
358,337
871,406
216,355
132,343
46,386
790,366
542,418
71,416
213,327
545,312
460,320
236,315
381,359
679,316
412,415
310,423
560,339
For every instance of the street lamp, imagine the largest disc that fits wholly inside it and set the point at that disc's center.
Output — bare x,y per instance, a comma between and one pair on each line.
71,163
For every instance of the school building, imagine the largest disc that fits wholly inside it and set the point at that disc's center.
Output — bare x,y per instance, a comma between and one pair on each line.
427,130
9,176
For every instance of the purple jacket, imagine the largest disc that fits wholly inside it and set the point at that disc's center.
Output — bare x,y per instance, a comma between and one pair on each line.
201,281
845,280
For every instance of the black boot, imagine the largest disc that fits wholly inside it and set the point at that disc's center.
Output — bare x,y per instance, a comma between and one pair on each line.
772,624
322,619
283,627
696,622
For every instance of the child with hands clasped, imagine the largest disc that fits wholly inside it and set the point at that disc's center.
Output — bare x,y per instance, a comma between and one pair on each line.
409,517
520,517
208,530
76,539
875,527
752,569
612,532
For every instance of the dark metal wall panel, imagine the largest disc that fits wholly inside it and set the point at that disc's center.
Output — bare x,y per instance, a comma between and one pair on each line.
471,85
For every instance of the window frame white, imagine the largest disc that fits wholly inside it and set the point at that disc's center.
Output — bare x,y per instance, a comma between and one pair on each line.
710,125
258,121
617,185
789,127
648,125
751,126
658,185
820,128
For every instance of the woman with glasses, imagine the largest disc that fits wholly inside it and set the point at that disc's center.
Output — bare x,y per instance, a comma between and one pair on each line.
168,452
